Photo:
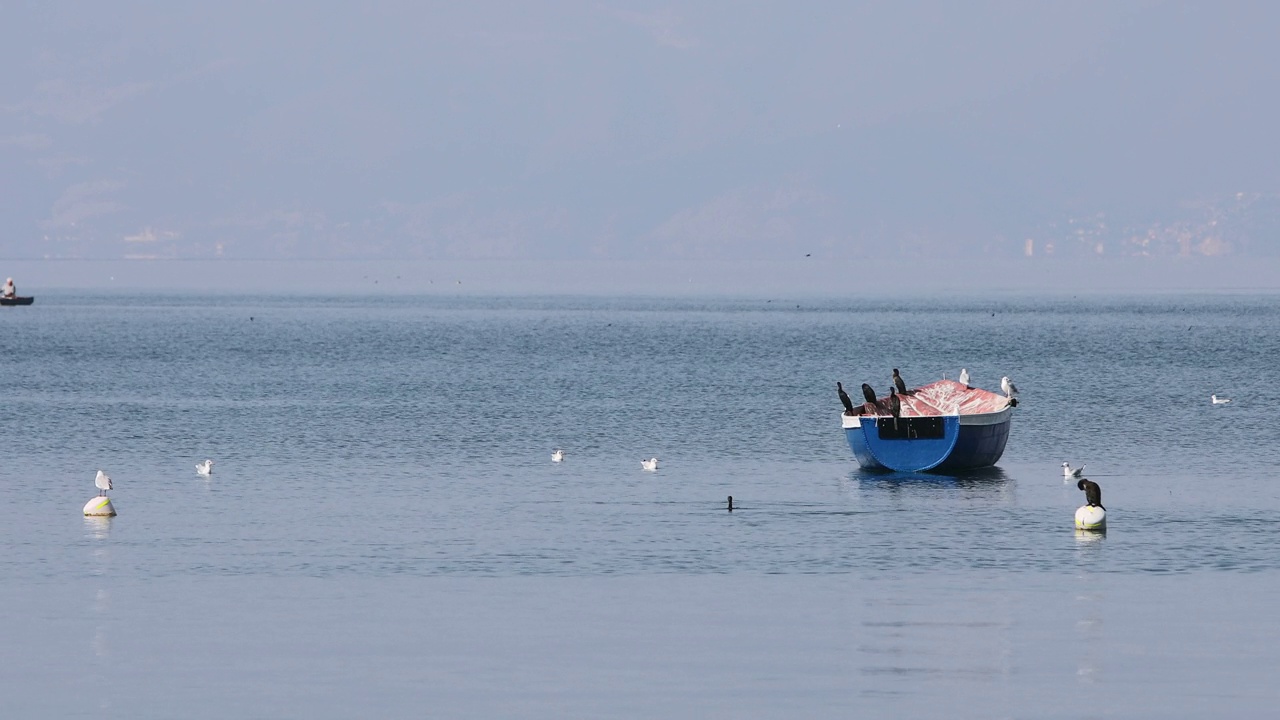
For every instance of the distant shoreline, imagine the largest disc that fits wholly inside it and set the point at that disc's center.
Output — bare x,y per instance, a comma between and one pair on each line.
796,278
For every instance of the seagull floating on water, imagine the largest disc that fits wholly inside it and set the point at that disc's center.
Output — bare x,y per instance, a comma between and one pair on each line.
1070,472
103,481
1219,401
204,468
557,456
964,377
650,464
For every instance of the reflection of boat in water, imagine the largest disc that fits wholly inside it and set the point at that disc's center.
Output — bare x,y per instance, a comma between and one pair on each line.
17,300
943,426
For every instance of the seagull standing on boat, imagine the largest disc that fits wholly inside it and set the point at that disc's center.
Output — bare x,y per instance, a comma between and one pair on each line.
1219,401
557,456
103,482
1092,493
964,377
1070,472
205,468
650,464
1010,390
899,383
844,398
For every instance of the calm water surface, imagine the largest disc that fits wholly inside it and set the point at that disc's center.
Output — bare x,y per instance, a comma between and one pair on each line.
384,534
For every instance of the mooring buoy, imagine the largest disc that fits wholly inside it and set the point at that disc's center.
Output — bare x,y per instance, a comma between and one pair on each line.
1091,517
99,506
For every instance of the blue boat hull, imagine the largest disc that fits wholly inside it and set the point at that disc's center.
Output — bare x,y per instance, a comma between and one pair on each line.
955,442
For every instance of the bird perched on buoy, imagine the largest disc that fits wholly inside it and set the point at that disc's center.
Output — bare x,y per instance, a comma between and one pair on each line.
1092,493
1070,472
1219,401
103,482
100,506
964,377
205,468
1092,515
844,399
899,383
650,464
557,456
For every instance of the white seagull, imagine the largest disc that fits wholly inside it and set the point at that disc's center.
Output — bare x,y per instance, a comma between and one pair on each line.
1008,387
1070,472
1219,401
557,456
103,481
650,464
204,468
964,377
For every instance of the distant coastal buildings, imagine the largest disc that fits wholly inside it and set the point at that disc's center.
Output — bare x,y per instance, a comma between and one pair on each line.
1242,224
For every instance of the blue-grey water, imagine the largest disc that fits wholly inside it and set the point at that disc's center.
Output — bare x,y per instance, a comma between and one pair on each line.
384,534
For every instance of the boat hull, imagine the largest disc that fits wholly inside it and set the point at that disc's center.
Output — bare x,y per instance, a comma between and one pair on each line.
16,300
953,442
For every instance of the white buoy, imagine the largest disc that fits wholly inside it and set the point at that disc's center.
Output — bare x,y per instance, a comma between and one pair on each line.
1091,517
99,506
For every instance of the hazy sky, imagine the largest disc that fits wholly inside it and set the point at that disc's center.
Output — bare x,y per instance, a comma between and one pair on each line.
699,132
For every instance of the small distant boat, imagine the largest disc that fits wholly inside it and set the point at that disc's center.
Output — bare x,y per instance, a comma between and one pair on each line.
17,300
942,426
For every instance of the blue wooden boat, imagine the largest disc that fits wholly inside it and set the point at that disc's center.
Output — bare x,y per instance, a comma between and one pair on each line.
942,426
16,300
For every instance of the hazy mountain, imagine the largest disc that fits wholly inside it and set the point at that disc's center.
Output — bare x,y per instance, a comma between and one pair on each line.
620,130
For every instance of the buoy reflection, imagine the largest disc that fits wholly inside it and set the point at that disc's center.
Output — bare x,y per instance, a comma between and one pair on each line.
97,527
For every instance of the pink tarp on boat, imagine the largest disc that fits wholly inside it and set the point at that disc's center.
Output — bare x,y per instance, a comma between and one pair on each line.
944,397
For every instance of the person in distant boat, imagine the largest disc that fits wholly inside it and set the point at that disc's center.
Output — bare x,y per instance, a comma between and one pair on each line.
844,398
9,290
1092,493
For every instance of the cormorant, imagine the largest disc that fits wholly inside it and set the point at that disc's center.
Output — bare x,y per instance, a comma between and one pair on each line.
898,382
868,393
895,406
844,398
1092,493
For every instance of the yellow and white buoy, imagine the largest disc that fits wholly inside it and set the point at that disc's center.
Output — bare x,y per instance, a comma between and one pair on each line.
99,506
1091,517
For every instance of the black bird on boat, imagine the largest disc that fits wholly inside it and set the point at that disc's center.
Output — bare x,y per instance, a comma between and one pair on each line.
868,393
900,384
1092,493
895,406
844,398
